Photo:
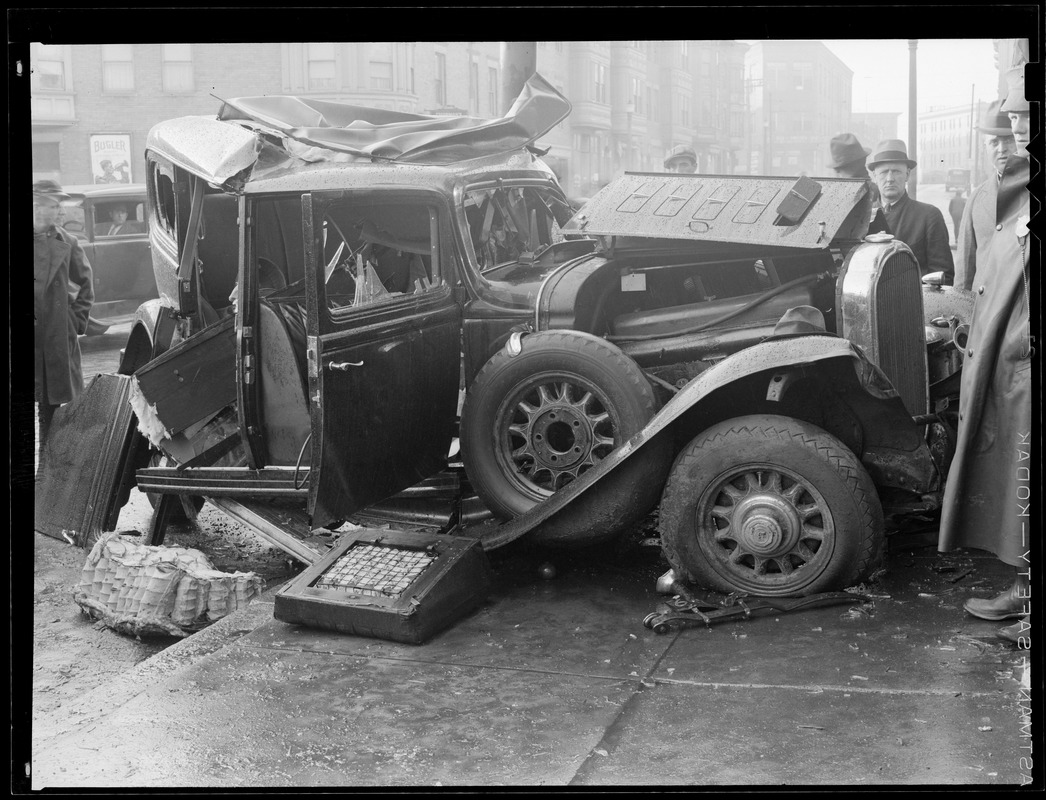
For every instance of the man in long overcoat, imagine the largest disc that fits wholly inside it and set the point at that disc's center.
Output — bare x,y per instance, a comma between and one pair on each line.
62,299
978,219
921,226
988,493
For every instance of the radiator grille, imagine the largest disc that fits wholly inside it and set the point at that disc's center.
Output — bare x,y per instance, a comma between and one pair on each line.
375,570
899,329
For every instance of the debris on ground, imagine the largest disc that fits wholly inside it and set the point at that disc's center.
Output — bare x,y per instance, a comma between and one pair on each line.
160,591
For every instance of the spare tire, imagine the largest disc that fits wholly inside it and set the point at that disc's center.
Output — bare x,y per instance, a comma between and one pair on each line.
536,420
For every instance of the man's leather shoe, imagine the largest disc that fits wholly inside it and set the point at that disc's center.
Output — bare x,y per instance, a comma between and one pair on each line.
1019,632
1007,605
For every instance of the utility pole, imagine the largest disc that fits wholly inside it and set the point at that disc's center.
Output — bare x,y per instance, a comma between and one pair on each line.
913,116
518,63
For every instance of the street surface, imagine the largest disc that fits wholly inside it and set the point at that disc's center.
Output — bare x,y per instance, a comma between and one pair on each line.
552,682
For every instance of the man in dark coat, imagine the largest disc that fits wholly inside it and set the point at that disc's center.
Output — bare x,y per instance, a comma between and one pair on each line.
989,493
921,226
849,159
978,219
62,297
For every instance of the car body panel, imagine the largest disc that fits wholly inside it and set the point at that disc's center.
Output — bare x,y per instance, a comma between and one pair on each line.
724,208
771,355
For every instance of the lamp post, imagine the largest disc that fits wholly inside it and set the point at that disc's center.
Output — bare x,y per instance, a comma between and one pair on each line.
913,119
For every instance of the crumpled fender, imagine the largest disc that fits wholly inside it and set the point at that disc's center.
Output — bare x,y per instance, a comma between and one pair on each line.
775,354
145,333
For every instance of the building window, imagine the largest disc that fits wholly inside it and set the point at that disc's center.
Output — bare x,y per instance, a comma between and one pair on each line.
49,67
684,111
473,87
117,68
492,90
322,69
600,72
380,74
177,68
440,83
684,52
637,96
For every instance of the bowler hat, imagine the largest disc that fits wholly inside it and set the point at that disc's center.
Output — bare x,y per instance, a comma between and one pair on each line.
799,321
50,189
889,150
1015,99
680,151
994,121
846,150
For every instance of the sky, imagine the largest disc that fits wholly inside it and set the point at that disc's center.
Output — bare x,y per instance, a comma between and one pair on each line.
946,69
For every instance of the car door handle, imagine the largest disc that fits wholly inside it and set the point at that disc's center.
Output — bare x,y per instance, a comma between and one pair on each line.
343,366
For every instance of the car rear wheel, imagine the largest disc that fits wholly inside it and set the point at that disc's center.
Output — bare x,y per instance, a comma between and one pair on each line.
772,506
536,421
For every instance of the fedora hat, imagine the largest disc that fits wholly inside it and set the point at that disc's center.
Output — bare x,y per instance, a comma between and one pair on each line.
799,321
50,189
845,149
1015,99
890,150
680,151
994,120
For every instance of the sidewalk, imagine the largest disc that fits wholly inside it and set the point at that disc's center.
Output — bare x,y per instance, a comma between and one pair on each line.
558,683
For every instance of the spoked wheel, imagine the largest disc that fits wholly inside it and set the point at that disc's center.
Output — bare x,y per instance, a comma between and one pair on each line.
770,506
553,428
538,420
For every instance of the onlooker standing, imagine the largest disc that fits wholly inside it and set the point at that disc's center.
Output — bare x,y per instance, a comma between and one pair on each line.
955,208
990,473
978,220
681,159
921,226
58,264
849,159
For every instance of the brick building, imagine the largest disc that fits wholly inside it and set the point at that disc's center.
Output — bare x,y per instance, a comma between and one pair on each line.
799,97
633,100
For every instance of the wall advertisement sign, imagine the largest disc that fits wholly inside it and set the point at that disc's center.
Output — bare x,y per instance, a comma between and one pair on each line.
111,157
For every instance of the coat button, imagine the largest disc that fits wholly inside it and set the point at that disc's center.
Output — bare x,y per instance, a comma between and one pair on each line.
969,353
980,290
998,227
960,416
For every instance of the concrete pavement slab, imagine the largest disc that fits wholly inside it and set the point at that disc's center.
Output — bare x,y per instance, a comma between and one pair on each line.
675,733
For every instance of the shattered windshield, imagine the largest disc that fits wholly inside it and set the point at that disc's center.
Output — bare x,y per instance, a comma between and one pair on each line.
507,224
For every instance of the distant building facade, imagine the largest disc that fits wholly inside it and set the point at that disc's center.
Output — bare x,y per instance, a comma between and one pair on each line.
871,127
799,97
633,100
947,140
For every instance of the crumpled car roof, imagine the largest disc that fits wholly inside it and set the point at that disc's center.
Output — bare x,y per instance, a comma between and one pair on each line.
399,136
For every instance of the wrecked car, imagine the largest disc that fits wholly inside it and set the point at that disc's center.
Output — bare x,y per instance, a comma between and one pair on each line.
345,291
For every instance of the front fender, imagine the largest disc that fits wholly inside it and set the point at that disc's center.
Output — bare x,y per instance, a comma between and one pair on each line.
770,355
152,331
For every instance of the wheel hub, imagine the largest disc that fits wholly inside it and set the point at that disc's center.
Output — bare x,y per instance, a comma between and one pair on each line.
767,525
560,437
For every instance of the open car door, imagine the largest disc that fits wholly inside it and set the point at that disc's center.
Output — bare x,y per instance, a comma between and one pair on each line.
384,346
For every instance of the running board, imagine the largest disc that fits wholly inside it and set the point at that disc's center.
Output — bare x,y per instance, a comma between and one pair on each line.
285,528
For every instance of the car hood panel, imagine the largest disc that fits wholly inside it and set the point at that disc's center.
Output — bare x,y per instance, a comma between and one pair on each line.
723,209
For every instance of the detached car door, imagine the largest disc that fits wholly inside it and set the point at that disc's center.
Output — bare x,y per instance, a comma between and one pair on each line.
383,345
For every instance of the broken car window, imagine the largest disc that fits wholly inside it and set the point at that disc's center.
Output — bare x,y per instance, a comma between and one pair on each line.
506,223
373,253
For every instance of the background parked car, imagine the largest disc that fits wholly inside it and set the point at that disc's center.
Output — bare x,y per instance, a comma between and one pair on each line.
119,254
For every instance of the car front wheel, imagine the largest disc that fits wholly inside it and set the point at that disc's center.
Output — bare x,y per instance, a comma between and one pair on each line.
772,506
535,421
